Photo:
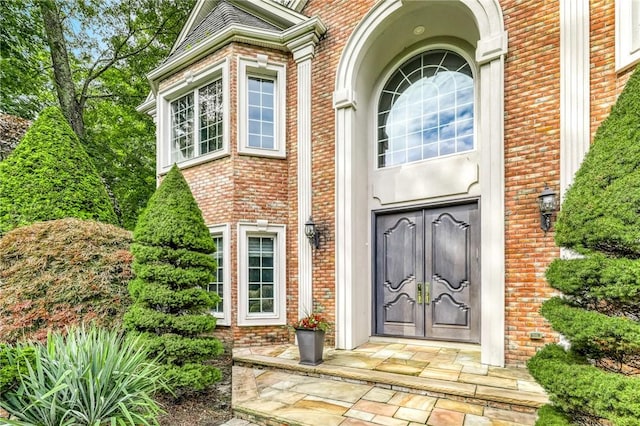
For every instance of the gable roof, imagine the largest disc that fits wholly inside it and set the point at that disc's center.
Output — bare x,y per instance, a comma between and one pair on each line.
273,24
222,16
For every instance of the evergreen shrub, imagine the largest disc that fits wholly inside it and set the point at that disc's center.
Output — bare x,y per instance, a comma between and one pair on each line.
50,176
173,266
597,379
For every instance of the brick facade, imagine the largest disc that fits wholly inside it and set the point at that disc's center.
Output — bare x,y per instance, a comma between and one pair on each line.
239,188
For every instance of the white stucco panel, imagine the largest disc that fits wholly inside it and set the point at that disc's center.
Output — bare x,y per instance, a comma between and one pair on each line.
426,179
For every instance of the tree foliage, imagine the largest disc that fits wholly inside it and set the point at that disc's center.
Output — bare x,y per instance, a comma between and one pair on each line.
26,86
62,272
49,176
597,381
102,51
172,265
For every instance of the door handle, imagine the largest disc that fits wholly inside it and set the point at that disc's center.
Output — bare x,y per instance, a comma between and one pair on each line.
426,295
419,293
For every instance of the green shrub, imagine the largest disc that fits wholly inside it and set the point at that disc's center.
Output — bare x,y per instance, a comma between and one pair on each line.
89,377
605,284
62,272
13,365
550,416
600,209
593,334
172,248
579,388
599,312
50,176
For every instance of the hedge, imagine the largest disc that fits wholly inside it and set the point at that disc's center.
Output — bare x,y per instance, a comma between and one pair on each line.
50,176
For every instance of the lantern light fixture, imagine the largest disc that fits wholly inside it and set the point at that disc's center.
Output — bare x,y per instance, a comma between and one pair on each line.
547,203
312,233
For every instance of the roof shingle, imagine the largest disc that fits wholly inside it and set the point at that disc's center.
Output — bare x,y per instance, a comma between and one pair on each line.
223,15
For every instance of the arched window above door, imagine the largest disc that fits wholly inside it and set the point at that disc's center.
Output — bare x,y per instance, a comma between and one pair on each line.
426,109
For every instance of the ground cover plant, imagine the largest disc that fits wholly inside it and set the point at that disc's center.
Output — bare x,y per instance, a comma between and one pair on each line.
597,381
172,266
90,376
62,272
50,176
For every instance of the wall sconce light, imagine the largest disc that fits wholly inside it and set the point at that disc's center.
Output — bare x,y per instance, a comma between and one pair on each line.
312,233
548,203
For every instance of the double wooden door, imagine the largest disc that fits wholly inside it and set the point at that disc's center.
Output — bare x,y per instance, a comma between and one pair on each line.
426,273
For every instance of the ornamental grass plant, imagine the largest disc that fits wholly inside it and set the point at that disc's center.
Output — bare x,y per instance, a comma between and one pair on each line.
91,376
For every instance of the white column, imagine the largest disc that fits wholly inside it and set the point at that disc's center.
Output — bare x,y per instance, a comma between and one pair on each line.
575,132
344,104
490,56
303,56
492,267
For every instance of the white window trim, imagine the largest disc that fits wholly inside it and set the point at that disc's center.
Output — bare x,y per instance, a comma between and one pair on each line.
224,317
260,66
191,81
279,316
626,55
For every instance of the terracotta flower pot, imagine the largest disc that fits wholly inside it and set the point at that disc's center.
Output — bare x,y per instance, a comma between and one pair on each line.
310,345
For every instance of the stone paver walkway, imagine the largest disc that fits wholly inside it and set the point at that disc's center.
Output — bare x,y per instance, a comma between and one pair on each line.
382,384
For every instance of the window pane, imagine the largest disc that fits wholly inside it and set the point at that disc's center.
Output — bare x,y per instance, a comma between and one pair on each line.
182,145
217,285
267,291
267,275
261,274
260,110
254,275
426,109
267,305
211,115
254,306
267,143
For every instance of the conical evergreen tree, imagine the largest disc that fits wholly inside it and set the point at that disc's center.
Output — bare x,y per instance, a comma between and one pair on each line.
173,265
50,176
597,381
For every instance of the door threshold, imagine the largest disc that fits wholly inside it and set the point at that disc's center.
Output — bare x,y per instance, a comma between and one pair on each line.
428,343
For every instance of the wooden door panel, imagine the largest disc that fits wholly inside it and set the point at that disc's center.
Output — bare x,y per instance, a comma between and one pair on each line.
398,262
426,273
453,311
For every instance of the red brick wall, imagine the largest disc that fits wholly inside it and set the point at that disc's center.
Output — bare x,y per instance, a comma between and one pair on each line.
532,159
248,188
532,141
340,17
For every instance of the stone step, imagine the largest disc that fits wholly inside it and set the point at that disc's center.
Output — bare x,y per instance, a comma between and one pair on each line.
499,390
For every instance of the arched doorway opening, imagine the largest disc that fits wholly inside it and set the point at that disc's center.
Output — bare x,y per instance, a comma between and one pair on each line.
365,191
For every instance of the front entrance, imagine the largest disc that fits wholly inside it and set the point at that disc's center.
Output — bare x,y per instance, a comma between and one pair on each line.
426,273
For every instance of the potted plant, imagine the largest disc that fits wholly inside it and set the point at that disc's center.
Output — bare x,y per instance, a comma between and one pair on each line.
310,332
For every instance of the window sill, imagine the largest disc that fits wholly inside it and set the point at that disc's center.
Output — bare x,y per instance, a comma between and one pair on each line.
196,161
250,152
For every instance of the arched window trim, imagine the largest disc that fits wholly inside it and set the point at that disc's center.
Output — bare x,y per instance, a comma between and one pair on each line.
459,47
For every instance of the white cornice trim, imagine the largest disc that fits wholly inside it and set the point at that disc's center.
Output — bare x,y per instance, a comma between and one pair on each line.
233,33
148,106
311,30
297,5
271,11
